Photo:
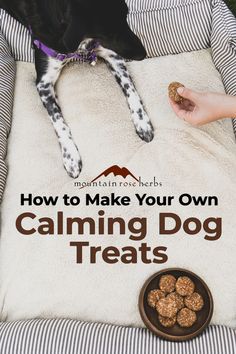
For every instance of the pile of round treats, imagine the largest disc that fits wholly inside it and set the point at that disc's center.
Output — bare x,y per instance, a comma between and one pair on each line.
175,301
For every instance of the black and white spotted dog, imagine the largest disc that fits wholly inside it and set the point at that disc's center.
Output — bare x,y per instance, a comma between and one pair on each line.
63,30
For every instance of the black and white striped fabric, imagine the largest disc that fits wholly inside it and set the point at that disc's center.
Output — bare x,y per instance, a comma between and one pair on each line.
17,36
72,337
7,80
171,26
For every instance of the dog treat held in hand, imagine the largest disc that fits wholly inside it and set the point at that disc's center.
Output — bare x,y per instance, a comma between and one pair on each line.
167,283
167,308
194,302
173,94
167,322
178,300
186,318
185,286
154,296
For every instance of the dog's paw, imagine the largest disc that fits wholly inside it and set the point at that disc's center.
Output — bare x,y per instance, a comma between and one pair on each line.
71,159
146,133
143,126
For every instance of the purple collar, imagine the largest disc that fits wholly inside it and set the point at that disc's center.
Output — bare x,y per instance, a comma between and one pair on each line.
89,55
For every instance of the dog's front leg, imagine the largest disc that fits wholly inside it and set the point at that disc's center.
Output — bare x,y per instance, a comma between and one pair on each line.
48,71
140,118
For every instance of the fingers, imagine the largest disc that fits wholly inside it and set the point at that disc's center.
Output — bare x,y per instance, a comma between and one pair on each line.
181,111
187,93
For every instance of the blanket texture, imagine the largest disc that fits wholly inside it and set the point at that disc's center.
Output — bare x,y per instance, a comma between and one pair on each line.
38,274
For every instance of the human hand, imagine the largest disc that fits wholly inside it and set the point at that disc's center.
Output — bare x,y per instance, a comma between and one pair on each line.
200,108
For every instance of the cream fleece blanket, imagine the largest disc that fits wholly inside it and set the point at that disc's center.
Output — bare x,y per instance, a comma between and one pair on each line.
39,276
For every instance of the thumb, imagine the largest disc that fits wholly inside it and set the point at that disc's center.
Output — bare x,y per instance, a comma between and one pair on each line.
187,93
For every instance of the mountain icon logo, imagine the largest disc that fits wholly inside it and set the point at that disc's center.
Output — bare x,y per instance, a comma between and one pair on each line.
115,170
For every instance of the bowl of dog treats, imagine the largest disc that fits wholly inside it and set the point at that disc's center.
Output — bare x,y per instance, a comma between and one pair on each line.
176,304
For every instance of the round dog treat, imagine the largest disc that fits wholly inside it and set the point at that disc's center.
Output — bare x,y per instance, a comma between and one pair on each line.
173,94
167,283
167,308
194,302
154,296
178,300
167,322
186,318
185,286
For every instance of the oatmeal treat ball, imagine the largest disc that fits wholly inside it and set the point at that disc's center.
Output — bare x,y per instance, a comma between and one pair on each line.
185,286
173,94
186,318
194,302
167,308
167,322
154,296
167,283
179,300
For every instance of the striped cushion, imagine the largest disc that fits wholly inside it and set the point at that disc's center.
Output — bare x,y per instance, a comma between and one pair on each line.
171,26
17,36
7,79
72,337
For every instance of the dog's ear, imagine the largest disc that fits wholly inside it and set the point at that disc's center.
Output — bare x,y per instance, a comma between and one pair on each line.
73,35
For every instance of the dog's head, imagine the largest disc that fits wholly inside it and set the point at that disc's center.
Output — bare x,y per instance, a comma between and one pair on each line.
106,21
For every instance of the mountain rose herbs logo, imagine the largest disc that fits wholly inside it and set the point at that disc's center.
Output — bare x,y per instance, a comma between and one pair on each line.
109,178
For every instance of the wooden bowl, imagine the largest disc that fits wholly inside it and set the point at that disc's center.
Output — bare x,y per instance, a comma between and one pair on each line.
176,333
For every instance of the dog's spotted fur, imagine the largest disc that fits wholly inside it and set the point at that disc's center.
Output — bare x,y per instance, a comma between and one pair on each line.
66,26
140,118
46,88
